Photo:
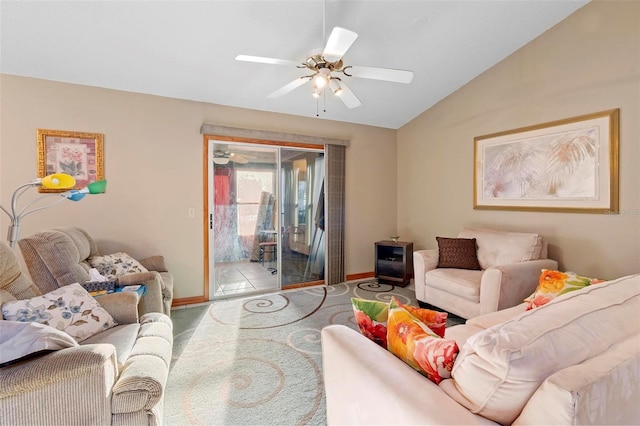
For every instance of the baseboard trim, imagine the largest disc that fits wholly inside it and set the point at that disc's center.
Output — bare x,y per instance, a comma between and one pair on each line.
188,301
353,277
201,299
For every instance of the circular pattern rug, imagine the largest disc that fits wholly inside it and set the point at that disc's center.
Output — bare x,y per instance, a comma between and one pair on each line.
258,360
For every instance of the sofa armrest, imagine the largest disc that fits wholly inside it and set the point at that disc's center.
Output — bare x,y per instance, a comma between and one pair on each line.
505,286
78,379
140,385
365,384
122,306
601,390
423,261
152,299
154,263
143,378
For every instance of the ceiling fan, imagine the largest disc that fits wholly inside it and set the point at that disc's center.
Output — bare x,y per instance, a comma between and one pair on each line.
223,157
328,69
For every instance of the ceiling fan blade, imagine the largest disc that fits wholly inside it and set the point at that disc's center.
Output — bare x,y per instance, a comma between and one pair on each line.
338,43
238,158
289,87
386,74
348,98
263,60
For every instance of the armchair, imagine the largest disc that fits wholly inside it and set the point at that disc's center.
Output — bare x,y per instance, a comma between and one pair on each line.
117,376
510,264
61,256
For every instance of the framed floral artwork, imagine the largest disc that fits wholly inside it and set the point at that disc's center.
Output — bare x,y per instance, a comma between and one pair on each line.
568,165
78,154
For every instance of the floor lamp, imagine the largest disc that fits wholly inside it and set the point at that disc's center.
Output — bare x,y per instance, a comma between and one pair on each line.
54,181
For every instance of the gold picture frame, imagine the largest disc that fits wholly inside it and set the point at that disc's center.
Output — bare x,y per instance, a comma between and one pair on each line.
78,154
568,165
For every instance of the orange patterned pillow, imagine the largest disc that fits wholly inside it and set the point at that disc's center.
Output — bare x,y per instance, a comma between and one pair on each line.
555,283
413,342
436,321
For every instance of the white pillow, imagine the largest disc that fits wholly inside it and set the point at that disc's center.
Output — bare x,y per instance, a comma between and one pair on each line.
21,339
70,309
112,265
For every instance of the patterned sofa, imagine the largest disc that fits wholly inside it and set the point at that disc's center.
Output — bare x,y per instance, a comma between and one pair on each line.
61,256
117,376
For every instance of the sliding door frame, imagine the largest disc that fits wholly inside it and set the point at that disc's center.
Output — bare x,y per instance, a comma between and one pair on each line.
208,214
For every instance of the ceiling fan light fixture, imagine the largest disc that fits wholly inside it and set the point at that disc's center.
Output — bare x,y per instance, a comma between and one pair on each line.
221,160
319,80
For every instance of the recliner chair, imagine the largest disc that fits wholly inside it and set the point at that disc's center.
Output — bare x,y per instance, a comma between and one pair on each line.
510,266
60,257
117,376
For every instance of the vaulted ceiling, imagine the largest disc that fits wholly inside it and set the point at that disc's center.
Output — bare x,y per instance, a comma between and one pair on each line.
187,49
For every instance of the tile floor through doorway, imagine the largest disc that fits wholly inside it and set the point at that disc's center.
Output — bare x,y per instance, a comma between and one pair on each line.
235,278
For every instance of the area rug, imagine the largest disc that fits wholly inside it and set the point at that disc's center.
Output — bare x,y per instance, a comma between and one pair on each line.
257,360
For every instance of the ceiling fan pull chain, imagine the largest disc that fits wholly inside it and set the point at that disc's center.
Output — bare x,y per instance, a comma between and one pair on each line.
324,101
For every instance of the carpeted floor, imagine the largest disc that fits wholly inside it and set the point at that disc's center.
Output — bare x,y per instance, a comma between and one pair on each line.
257,360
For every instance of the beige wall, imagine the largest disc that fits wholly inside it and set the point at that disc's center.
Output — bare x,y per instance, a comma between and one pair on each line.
588,63
153,164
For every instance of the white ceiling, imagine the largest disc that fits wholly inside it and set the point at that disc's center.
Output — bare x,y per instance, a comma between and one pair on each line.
186,49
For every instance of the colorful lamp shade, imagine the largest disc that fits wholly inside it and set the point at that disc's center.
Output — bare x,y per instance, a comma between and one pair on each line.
58,181
97,187
53,181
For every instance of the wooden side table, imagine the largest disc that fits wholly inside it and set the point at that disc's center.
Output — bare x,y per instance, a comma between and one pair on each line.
394,262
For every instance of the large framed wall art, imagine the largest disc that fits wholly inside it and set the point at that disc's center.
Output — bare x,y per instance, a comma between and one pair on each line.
78,154
568,165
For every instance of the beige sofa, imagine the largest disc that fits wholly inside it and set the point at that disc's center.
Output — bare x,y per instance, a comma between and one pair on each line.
117,376
60,256
575,360
510,267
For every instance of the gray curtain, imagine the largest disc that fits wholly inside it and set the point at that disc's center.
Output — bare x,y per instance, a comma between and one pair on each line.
334,225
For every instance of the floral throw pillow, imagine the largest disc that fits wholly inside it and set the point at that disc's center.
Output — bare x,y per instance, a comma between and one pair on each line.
113,265
371,317
70,309
555,283
436,321
413,342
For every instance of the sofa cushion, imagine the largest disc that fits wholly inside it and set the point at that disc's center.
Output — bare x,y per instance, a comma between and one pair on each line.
459,253
122,337
53,260
70,309
412,341
501,247
555,283
499,368
464,283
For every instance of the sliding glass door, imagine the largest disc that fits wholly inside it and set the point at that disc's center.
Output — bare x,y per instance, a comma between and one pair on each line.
302,213
266,217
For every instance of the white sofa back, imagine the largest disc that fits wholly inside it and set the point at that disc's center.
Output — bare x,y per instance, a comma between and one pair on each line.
499,369
601,390
502,247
